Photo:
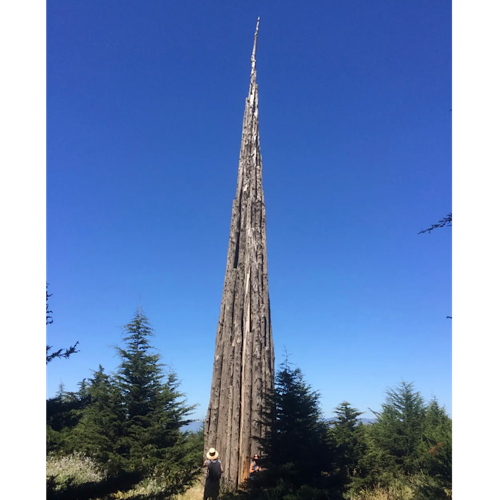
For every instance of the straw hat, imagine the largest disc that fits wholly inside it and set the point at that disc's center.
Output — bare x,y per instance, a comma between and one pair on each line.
212,454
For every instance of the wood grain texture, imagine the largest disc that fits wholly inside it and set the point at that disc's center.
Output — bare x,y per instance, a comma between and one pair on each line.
244,354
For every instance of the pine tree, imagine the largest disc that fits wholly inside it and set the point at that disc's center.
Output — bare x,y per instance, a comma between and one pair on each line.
437,449
155,409
296,444
397,435
63,412
348,441
131,423
101,425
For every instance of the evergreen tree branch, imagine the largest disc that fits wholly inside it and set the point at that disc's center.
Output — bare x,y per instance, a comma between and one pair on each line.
61,353
444,222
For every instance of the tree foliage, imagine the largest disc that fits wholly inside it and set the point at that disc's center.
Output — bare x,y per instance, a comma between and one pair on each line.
60,353
130,422
63,413
405,453
437,450
444,222
409,445
347,435
295,447
101,426
155,409
398,432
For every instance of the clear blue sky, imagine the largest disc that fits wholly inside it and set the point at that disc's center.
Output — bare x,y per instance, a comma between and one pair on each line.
145,104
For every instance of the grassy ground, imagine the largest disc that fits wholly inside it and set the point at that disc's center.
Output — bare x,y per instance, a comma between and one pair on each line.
409,488
383,494
81,470
196,491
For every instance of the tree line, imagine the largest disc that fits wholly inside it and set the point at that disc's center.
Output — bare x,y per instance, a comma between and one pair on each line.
126,428
404,454
129,424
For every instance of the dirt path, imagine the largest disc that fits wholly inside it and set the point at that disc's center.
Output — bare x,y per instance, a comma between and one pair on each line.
195,492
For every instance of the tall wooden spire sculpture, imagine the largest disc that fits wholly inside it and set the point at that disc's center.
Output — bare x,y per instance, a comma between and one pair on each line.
244,354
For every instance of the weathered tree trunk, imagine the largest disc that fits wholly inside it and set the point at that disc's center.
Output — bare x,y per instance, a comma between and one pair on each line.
244,353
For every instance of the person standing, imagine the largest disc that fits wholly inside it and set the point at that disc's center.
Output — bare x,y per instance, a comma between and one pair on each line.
254,467
214,473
